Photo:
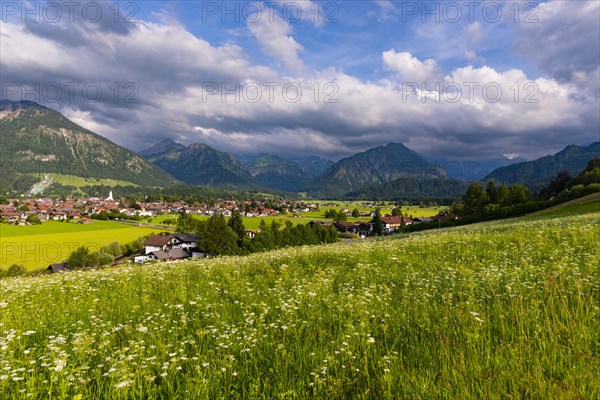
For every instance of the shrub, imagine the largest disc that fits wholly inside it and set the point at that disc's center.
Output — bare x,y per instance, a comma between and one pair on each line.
16,270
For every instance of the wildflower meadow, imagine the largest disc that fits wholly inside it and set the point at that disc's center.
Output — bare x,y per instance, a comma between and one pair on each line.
506,309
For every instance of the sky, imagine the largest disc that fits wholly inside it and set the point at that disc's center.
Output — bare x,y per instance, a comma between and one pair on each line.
454,80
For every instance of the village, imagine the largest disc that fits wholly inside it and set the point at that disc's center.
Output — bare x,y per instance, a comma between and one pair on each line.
170,244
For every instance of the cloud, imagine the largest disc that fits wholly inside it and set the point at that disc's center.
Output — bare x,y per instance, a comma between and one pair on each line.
387,10
194,90
561,38
275,40
409,67
301,10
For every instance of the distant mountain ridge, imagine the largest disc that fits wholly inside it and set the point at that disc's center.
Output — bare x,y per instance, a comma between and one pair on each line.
375,166
276,172
199,164
36,139
162,147
477,169
538,173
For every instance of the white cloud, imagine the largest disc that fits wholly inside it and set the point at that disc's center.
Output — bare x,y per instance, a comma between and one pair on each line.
409,67
387,10
171,68
275,40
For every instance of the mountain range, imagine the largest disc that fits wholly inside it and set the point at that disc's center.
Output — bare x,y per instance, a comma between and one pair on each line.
475,169
37,140
374,166
536,174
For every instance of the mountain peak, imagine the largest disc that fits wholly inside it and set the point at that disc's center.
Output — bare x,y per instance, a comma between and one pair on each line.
40,139
198,146
163,146
374,166
11,106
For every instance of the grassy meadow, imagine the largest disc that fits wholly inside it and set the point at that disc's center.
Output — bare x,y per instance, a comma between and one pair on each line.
506,309
37,246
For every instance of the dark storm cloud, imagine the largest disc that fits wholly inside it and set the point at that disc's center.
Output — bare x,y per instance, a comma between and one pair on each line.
154,78
564,41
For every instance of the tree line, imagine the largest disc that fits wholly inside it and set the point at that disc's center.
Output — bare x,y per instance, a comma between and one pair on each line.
219,236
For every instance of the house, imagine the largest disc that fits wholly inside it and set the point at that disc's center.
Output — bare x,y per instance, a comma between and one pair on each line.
325,224
346,227
42,215
250,234
392,224
168,247
358,228
11,216
59,215
188,241
161,243
57,268
159,255
173,254
364,229
178,254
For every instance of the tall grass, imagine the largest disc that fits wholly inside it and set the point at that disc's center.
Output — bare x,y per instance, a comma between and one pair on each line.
497,310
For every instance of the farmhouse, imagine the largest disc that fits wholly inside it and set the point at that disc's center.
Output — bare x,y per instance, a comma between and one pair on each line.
392,224
162,243
188,241
358,228
168,247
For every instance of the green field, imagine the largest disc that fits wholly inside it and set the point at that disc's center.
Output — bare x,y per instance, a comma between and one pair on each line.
582,205
499,310
37,246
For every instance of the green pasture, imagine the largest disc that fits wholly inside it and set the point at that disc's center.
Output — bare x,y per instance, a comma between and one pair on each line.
497,310
37,246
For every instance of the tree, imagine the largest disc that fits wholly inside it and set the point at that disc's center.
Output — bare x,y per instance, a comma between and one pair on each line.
502,195
340,216
396,212
24,207
475,199
377,223
491,191
113,248
33,219
518,194
186,223
103,258
557,185
331,213
82,258
215,237
355,213
237,225
16,270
